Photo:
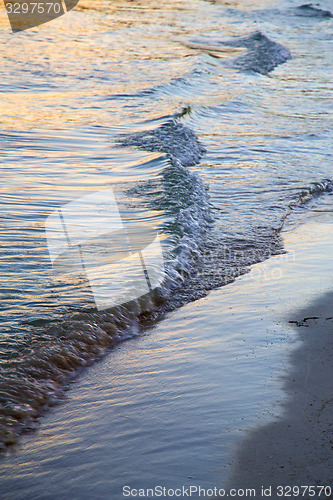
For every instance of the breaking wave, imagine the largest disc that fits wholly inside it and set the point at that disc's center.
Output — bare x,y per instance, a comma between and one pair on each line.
262,54
310,10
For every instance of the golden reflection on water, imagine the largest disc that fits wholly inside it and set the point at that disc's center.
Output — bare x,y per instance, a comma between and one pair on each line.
109,44
68,52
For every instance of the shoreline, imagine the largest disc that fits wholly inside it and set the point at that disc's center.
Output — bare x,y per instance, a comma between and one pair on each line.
296,449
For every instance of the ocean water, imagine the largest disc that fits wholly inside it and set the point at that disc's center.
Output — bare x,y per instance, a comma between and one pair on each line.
212,120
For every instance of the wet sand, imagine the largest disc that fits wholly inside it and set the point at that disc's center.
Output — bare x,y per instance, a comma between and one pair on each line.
297,449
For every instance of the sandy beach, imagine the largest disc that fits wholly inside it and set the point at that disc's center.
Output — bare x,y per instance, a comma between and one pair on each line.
297,448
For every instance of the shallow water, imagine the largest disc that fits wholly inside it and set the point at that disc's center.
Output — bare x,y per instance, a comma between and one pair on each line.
141,98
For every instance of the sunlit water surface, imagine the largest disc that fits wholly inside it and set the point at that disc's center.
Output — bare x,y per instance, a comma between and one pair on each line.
78,98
